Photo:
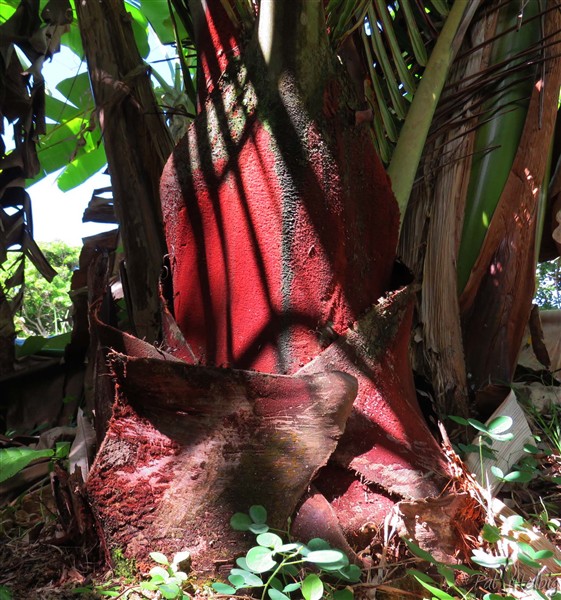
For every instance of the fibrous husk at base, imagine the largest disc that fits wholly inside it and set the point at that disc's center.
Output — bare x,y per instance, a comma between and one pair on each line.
481,508
189,446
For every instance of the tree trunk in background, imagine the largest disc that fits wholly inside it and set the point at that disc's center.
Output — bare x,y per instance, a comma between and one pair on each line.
7,336
137,144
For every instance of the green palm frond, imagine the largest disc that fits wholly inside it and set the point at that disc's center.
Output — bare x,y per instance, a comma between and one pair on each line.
396,38
344,17
515,55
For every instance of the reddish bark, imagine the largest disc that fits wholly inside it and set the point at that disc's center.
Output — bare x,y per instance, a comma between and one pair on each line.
282,229
386,441
386,445
281,225
358,508
189,446
218,43
316,518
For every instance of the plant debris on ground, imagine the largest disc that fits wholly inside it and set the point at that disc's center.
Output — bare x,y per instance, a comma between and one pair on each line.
48,554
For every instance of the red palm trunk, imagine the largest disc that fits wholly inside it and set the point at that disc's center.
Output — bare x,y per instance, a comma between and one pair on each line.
282,228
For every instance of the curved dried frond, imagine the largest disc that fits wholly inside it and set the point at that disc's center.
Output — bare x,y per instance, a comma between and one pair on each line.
30,37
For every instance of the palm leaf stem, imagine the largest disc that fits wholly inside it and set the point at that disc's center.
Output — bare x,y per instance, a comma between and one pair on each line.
433,30
409,149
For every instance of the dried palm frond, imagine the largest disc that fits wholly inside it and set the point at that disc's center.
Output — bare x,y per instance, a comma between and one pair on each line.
434,207
469,168
22,102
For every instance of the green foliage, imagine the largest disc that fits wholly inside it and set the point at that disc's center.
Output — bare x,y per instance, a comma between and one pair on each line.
105,590
548,288
526,469
504,541
498,135
157,13
13,460
282,569
495,431
54,345
46,306
549,423
73,140
122,566
436,588
492,558
5,593
167,578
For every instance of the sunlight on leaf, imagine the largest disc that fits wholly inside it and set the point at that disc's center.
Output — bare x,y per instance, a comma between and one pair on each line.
13,460
259,559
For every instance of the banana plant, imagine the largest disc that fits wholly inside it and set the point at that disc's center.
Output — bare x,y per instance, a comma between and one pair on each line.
61,135
27,39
